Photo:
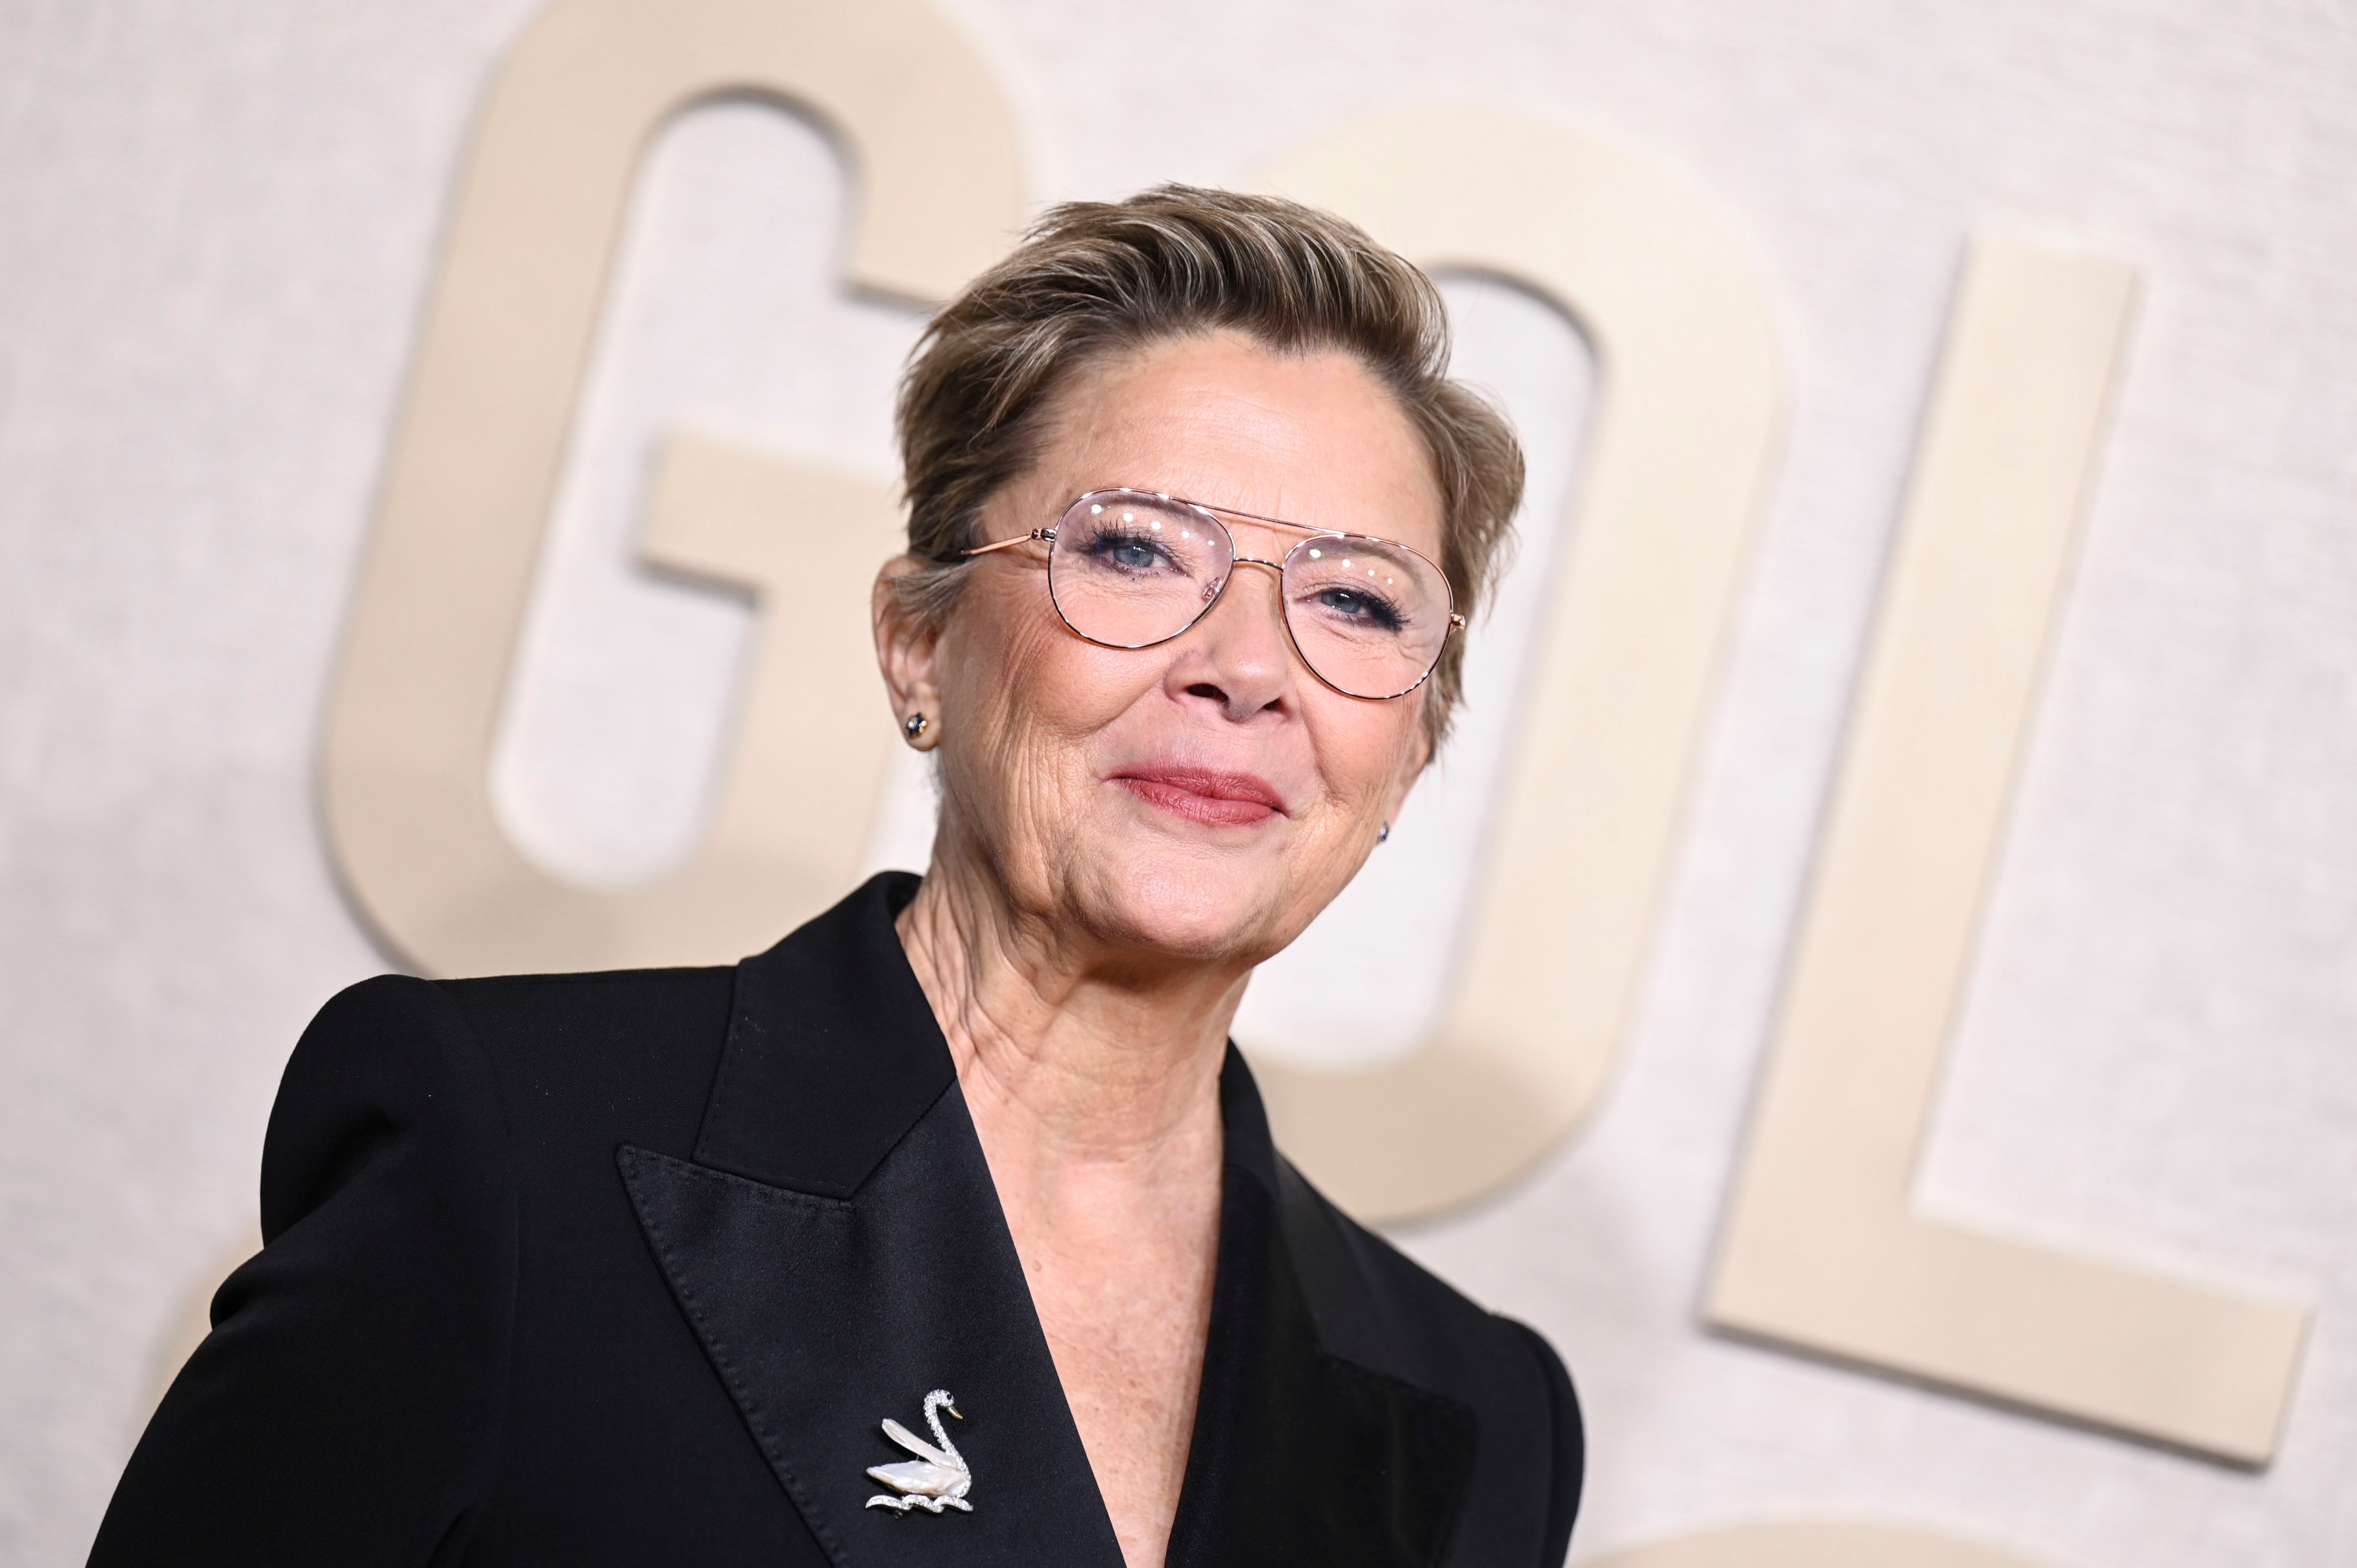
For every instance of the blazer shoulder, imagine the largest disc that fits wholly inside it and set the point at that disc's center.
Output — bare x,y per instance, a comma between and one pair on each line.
515,1061
508,1006
586,1061
625,1008
397,1040
382,1062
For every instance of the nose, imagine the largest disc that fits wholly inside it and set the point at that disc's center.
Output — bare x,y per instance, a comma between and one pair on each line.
1238,656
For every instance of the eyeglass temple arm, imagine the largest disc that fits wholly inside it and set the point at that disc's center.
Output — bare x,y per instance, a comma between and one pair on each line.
1044,535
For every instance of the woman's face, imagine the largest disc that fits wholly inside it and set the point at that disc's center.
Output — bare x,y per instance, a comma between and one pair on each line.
1204,798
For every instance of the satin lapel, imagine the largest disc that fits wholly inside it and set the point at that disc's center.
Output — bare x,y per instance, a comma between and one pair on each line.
1301,1455
825,1315
838,1246
831,1054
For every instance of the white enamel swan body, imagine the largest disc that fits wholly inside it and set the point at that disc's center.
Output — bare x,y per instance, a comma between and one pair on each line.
936,1477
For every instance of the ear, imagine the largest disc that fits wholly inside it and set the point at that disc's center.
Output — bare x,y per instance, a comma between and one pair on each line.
905,653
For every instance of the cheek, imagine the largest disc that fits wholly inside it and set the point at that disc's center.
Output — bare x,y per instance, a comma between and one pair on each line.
1024,696
1365,750
1045,686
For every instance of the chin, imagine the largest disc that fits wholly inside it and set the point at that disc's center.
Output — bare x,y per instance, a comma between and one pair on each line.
1197,904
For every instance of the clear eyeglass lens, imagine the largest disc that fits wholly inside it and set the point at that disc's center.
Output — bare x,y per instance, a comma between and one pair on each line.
1129,570
1370,617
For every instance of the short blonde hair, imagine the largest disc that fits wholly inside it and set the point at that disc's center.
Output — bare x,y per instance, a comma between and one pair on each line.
1095,278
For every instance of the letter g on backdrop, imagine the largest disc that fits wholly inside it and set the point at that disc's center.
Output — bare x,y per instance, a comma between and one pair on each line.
507,341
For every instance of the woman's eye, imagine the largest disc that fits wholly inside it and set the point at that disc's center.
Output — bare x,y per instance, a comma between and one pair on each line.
1128,552
1369,611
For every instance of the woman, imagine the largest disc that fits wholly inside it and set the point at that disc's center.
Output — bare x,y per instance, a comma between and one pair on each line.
949,1230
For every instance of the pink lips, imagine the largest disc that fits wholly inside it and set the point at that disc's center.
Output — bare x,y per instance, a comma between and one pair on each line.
1216,799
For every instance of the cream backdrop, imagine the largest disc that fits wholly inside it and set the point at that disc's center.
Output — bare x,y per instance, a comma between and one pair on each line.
219,229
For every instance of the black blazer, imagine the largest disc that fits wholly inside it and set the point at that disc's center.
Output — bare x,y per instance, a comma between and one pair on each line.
627,1268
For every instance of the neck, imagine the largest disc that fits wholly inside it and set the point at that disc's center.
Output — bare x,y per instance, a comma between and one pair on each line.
1093,1078
1068,1054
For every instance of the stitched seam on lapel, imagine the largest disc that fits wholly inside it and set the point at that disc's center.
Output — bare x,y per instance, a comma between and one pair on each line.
628,1156
762,1191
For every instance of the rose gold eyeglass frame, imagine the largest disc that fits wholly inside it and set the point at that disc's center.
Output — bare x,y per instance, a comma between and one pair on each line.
1237,558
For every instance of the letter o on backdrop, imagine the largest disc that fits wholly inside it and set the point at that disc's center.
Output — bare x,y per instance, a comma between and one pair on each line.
506,346
1616,696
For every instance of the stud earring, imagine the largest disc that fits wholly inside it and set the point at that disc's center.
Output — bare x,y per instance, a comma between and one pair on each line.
1383,833
914,725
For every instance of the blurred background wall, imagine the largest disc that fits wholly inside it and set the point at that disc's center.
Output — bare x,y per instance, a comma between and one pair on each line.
218,226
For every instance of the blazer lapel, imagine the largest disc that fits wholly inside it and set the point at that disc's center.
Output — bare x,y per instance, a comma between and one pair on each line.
838,1246
1300,1454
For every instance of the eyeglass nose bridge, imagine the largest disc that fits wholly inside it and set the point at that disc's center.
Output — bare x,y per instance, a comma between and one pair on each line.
1218,585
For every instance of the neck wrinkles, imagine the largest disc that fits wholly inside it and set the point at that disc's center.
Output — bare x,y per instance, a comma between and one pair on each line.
1064,1050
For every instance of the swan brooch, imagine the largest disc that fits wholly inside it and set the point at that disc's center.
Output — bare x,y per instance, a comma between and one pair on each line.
936,1477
